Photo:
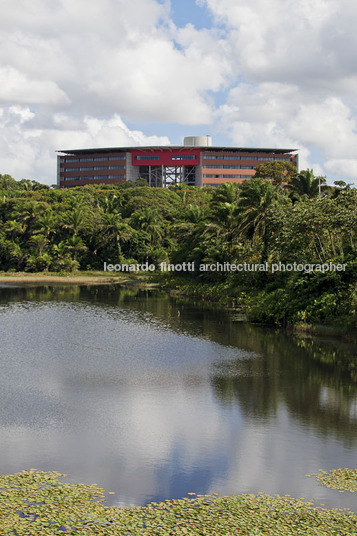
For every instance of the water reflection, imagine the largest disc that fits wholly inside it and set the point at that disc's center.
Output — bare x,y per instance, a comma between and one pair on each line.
114,386
305,374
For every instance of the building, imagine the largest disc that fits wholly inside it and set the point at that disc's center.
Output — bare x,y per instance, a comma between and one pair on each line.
195,163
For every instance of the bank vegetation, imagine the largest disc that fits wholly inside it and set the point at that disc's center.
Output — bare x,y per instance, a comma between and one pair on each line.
261,222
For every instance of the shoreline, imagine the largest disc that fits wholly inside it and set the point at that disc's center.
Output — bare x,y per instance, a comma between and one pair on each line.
177,289
94,278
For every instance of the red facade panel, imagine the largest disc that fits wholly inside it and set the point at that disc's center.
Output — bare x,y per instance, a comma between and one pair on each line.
165,157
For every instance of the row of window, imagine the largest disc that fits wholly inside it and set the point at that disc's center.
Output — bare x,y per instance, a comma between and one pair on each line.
208,175
93,159
173,157
184,157
235,157
176,157
146,157
91,168
222,166
95,178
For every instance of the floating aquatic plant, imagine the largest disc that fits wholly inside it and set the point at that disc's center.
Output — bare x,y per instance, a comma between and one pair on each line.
342,479
35,503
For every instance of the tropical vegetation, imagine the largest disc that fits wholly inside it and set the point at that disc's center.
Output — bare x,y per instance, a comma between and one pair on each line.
300,220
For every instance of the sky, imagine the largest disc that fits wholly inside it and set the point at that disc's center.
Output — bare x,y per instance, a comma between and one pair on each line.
110,73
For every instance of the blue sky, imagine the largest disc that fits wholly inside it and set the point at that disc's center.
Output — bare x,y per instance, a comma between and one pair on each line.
189,12
116,73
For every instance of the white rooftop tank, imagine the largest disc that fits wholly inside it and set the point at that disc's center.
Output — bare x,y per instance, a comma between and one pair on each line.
197,141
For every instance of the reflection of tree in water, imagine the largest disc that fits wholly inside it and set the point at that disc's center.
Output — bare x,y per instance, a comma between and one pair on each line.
315,379
38,293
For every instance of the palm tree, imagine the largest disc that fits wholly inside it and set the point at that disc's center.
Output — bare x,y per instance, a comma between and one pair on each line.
228,192
305,183
111,204
193,214
14,228
29,212
74,220
46,224
18,256
115,227
148,220
257,197
39,242
76,245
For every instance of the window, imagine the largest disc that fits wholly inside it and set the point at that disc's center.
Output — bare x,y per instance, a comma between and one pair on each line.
221,166
116,167
224,157
184,157
146,157
98,158
238,176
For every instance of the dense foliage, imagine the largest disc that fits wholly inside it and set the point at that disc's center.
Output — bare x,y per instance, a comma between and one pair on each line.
37,503
44,229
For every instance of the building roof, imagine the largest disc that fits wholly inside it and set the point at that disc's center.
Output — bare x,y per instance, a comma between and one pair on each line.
161,147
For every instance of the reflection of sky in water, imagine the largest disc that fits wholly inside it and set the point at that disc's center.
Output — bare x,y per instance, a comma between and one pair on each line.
114,396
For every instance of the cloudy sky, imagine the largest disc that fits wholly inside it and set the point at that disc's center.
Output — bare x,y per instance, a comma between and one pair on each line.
97,73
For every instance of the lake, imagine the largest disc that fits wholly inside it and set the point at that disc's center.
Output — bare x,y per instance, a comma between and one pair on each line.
153,397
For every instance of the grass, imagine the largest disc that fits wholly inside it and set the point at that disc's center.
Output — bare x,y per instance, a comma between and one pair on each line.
35,503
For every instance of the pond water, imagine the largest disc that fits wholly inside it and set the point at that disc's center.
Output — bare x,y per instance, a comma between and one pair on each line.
154,397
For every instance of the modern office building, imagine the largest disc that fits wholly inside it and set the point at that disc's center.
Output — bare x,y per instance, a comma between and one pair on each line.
196,163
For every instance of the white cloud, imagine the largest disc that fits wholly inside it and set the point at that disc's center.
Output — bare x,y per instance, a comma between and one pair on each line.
108,57
345,167
328,125
17,87
288,68
297,78
283,115
30,152
79,67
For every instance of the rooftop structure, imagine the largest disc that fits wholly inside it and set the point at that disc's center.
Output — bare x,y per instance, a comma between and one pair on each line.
196,163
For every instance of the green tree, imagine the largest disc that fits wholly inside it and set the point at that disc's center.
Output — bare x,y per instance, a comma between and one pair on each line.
279,171
305,183
8,183
257,198
114,232
14,228
149,221
74,220
39,243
